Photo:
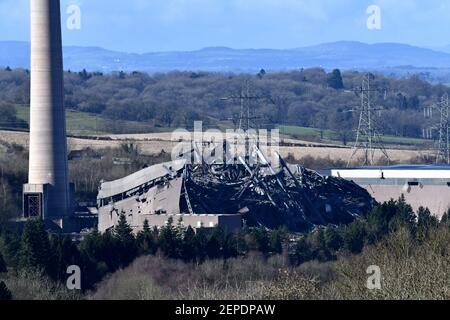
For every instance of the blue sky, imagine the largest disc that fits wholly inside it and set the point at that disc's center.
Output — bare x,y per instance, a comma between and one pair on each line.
162,25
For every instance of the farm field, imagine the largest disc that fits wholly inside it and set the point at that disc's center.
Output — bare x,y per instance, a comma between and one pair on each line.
91,131
154,143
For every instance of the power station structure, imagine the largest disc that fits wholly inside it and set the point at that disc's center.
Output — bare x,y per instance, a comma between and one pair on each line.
205,195
426,186
47,194
368,137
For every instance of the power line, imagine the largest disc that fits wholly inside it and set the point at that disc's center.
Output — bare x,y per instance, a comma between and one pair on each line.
368,137
441,126
247,119
443,154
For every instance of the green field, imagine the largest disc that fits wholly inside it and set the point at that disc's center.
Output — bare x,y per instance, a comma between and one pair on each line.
332,136
82,123
328,135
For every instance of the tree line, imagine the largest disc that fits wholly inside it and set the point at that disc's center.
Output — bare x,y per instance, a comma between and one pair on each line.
306,97
385,219
100,254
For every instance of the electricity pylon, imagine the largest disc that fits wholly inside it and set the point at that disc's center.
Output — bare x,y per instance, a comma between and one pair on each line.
246,120
368,137
248,123
443,155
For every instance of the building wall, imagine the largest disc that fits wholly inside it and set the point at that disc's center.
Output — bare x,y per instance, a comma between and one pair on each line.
158,205
425,186
434,197
230,222
164,198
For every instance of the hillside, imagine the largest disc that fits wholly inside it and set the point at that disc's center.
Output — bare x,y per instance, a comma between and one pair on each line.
84,123
390,58
140,103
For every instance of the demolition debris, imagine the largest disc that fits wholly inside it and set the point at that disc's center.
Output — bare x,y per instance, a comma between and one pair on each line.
226,194
295,197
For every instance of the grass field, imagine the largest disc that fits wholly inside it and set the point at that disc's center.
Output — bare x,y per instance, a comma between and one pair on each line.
82,123
332,136
152,140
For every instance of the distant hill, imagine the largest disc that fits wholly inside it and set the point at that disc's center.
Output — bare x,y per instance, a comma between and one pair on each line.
384,57
445,49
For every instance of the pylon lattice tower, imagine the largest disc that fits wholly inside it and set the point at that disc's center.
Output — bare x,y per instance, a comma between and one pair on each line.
247,120
443,155
247,123
368,137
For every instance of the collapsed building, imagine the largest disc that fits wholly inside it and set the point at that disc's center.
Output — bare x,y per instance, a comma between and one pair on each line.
154,194
230,195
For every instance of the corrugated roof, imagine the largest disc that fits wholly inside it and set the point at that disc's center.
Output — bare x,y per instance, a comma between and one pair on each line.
112,188
401,167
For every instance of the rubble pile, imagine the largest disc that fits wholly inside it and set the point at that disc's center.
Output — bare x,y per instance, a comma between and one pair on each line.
293,196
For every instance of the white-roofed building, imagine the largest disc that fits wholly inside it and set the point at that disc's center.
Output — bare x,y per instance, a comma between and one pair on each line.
422,185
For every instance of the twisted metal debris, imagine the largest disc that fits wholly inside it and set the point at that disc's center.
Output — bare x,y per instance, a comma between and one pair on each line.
293,196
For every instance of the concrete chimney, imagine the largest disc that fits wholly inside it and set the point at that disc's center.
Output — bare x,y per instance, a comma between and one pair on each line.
47,195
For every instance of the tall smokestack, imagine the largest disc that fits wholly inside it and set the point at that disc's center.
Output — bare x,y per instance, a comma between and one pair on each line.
48,173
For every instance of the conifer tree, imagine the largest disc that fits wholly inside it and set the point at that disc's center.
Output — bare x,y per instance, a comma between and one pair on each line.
5,294
241,243
64,254
228,244
276,241
35,247
167,240
321,239
189,250
145,240
445,220
213,245
302,252
333,239
146,227
425,223
201,242
354,237
94,258
123,233
404,216
262,240
3,267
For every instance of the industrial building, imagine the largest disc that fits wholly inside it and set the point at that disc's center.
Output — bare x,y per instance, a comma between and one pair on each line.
422,185
220,194
154,194
47,193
